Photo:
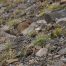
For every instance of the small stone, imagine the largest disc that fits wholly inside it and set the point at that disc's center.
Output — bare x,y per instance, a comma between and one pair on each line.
32,61
63,60
5,28
38,29
2,47
56,56
21,64
42,52
2,39
41,22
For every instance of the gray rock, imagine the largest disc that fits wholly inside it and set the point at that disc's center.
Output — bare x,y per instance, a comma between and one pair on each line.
41,22
2,47
29,29
55,15
38,29
4,28
62,51
63,60
42,52
59,63
31,1
21,64
2,33
62,22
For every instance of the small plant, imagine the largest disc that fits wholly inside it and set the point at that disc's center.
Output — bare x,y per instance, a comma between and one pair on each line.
32,34
41,40
13,22
55,7
56,33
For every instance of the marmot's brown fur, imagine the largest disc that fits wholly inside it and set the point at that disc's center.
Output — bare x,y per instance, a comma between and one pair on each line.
63,2
23,25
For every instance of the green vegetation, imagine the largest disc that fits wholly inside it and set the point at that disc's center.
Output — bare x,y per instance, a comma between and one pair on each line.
57,32
41,39
8,53
13,22
55,7
2,1
32,34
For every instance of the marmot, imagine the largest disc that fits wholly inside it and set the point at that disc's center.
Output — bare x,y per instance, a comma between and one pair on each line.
23,25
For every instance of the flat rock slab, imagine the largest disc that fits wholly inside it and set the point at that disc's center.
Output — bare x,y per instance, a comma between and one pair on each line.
62,51
42,52
55,15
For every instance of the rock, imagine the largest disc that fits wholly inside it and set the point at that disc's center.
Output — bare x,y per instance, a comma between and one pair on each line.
38,47
41,22
2,33
55,15
61,19
42,52
38,29
62,51
62,22
56,56
21,64
2,39
2,47
32,61
48,18
31,1
63,60
58,63
41,25
11,61
4,28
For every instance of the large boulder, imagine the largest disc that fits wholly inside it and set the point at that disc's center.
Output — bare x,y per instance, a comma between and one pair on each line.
55,15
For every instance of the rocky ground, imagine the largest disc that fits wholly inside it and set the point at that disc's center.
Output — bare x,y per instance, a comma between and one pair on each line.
32,33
